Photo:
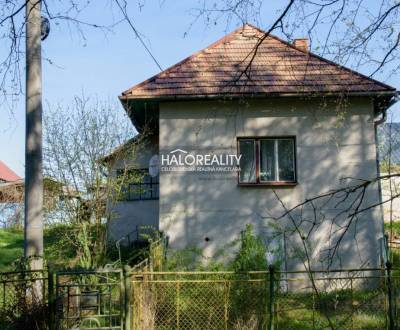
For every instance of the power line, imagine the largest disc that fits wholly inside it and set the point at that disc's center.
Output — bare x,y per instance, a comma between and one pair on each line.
137,34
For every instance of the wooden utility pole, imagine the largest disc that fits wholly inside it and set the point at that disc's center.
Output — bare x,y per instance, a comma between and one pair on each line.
33,138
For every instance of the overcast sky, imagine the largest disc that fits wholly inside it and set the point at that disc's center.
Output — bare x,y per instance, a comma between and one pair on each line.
106,64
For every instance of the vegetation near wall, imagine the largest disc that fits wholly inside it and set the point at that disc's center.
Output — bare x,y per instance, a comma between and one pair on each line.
151,296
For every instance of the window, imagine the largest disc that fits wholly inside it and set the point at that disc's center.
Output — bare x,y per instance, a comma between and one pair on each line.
140,185
267,160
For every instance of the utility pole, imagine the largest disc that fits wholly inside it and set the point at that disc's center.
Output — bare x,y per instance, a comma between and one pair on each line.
33,138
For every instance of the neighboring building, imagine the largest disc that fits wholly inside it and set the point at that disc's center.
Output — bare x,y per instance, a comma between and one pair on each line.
7,174
301,124
12,198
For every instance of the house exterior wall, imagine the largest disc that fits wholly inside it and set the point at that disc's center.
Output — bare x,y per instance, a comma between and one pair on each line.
209,210
126,215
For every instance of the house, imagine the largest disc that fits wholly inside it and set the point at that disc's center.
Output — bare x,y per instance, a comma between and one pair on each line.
10,195
297,125
9,181
56,195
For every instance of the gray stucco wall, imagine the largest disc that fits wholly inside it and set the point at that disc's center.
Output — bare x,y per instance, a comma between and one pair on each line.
126,215
194,206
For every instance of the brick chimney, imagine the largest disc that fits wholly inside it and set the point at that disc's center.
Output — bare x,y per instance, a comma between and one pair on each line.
301,43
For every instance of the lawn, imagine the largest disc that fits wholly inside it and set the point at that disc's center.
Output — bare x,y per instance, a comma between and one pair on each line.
11,247
394,253
58,248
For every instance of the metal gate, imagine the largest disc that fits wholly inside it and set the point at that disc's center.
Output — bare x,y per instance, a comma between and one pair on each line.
89,299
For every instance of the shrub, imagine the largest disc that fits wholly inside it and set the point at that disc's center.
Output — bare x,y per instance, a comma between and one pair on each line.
252,252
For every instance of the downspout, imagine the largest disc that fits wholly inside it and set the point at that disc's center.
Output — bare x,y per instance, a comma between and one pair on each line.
377,122
384,253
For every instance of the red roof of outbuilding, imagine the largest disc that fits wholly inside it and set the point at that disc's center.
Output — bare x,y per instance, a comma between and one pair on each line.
277,68
6,174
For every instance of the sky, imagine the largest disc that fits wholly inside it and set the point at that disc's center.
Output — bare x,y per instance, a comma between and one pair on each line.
104,64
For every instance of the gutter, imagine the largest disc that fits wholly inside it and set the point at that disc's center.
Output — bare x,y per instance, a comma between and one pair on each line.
190,97
383,109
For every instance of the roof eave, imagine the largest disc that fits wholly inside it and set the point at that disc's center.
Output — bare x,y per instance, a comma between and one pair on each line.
125,98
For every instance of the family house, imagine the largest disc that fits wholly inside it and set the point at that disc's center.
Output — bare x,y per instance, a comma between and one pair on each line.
299,126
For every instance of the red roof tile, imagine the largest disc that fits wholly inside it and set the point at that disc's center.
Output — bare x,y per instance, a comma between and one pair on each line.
277,68
6,174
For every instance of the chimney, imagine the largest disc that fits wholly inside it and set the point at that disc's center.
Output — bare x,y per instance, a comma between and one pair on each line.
301,43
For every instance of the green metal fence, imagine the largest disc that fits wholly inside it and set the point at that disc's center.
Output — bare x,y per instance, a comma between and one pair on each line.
89,300
342,299
22,295
353,299
199,300
141,298
72,299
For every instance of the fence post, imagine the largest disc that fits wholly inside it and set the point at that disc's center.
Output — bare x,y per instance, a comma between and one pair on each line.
126,296
390,296
51,297
271,296
227,287
177,303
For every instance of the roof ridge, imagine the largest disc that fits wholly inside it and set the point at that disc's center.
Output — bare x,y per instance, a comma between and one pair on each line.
321,64
320,57
186,59
340,66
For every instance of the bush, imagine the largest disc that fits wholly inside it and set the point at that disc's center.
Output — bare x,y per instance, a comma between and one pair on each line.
252,252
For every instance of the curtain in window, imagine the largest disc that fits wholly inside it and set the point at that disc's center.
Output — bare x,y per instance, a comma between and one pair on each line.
286,160
248,161
267,160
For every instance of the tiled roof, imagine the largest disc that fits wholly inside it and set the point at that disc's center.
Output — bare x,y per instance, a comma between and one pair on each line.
277,68
6,174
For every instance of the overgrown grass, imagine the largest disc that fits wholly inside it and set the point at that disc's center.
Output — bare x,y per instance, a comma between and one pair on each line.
394,253
59,247
203,304
395,228
11,247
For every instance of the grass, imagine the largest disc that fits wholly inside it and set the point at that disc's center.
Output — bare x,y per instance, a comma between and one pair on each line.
11,247
59,249
203,304
394,253
395,228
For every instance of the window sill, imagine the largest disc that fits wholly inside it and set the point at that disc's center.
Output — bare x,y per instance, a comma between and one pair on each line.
269,184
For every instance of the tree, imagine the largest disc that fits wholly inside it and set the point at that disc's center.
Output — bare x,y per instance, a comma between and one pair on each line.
10,84
76,140
361,34
358,33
